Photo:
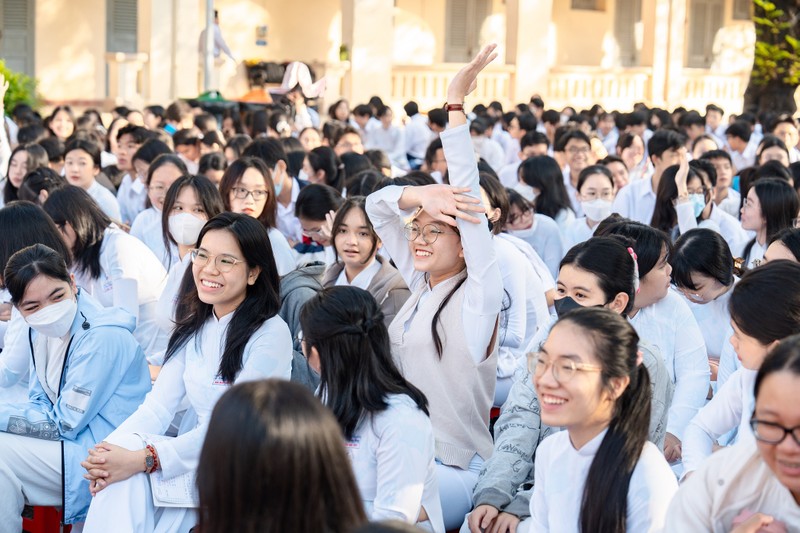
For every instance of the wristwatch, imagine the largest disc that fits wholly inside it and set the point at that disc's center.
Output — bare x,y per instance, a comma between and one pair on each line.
149,461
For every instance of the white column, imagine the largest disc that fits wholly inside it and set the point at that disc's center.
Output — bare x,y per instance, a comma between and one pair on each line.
528,49
367,30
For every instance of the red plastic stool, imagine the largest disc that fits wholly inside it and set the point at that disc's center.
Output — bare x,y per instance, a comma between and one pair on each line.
44,520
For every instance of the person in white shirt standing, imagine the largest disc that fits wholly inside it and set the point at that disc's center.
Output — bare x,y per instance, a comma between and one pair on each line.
590,379
81,166
418,135
384,418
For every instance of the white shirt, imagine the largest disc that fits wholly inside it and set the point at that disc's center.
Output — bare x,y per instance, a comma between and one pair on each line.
577,232
731,480
729,227
147,228
732,203
131,196
636,201
131,277
390,140
564,218
284,256
524,306
669,325
482,285
362,279
193,374
165,312
572,193
107,201
418,136
560,475
509,174
747,158
219,43
15,359
714,321
392,455
541,270
730,407
545,237
288,224
489,151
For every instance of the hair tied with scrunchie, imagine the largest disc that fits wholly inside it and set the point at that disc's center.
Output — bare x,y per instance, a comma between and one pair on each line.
635,269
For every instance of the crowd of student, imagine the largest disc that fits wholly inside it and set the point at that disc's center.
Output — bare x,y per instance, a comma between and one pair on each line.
278,322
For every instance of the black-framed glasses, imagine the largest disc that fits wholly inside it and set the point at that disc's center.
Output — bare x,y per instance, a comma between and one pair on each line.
222,262
564,368
241,193
429,232
772,433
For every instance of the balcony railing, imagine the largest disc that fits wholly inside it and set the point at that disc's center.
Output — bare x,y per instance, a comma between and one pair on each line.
427,84
581,87
700,87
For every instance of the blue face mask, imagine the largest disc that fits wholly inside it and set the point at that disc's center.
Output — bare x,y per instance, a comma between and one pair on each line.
698,202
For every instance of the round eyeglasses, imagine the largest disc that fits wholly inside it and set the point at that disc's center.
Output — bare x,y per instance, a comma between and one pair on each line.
429,232
223,262
564,368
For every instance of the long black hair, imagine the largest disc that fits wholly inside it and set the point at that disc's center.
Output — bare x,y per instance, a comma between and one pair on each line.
543,173
615,346
345,325
262,299
272,442
665,217
38,180
608,259
779,207
765,304
24,224
650,242
73,205
702,251
790,238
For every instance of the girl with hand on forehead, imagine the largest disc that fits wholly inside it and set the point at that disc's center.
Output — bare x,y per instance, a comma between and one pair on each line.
444,337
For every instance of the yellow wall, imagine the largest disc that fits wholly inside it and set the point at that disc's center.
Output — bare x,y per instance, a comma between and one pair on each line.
70,49
302,30
583,37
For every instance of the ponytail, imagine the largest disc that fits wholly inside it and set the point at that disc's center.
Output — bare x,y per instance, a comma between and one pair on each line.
604,506
613,465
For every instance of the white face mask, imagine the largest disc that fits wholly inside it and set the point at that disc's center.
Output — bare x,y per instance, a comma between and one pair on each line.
302,176
185,228
55,319
525,190
597,209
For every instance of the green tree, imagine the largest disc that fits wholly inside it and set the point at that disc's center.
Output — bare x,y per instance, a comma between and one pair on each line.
776,68
21,89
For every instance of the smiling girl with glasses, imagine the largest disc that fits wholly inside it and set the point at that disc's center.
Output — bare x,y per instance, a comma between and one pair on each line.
754,485
590,380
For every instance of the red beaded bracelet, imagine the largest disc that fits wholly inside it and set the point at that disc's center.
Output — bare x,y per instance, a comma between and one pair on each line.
154,453
454,107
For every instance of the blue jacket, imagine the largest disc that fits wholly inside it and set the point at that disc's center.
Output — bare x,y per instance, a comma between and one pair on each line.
104,379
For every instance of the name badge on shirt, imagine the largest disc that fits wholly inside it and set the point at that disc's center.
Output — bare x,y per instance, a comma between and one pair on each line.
108,286
219,382
354,443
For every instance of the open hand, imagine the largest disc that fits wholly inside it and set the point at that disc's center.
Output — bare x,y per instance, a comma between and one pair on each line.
683,173
466,80
446,203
